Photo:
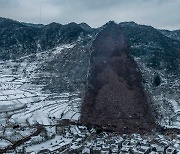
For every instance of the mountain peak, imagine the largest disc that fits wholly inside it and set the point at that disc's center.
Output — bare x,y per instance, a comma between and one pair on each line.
54,24
5,22
86,27
130,23
109,23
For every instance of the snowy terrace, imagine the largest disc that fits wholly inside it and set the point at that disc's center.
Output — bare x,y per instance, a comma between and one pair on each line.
26,105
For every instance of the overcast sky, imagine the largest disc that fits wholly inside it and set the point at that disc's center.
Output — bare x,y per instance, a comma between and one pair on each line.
158,13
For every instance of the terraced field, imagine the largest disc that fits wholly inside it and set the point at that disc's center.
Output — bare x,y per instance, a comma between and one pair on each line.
24,106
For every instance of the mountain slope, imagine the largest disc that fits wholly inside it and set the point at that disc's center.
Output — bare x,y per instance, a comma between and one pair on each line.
157,56
160,51
20,39
171,34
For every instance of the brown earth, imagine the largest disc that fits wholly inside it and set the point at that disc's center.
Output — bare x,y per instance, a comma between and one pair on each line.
115,98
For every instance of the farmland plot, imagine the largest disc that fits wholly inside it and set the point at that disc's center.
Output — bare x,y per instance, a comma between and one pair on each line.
24,106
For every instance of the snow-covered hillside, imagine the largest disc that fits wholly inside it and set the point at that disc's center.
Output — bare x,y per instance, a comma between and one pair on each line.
25,105
158,57
43,72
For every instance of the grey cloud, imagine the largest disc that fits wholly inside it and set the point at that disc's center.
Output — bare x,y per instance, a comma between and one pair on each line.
158,13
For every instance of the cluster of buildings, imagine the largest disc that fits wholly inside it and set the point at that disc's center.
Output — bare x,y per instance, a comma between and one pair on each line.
87,141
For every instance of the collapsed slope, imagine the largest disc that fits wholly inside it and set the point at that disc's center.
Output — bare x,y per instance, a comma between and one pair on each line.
115,98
